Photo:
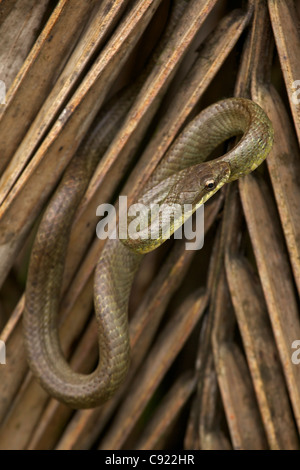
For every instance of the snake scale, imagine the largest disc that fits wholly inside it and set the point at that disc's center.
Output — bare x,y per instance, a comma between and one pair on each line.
183,176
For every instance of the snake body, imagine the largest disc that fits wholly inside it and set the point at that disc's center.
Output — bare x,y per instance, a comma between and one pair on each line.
182,177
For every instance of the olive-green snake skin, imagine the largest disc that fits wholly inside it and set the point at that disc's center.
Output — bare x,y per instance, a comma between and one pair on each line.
180,178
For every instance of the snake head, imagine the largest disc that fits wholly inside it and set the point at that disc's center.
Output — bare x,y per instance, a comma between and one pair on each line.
198,183
191,186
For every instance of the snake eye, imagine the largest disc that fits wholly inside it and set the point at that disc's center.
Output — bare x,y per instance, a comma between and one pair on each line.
209,184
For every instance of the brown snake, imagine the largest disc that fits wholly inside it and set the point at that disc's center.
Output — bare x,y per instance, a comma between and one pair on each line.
182,177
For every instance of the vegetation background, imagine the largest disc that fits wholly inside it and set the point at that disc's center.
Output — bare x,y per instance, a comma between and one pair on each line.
211,331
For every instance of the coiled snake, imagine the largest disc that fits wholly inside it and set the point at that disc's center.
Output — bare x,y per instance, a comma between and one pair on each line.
182,177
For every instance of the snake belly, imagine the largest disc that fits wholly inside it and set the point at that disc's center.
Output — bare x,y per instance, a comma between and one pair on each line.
182,177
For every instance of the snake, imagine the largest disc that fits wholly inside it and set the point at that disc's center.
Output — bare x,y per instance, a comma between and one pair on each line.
185,175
